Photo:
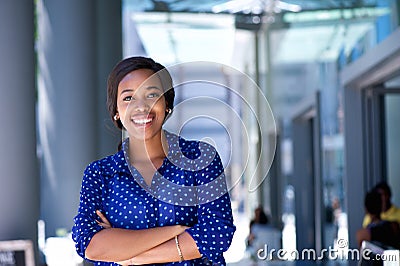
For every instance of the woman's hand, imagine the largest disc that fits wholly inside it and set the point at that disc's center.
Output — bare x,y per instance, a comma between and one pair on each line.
125,262
132,261
104,222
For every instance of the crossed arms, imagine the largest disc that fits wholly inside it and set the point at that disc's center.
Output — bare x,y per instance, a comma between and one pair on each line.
127,247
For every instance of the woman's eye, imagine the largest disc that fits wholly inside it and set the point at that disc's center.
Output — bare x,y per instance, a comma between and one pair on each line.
153,95
127,98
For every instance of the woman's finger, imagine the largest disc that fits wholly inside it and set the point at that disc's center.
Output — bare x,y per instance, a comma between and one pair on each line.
104,225
125,262
101,215
104,222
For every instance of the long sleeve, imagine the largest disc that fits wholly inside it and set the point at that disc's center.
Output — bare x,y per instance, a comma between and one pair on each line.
85,225
214,231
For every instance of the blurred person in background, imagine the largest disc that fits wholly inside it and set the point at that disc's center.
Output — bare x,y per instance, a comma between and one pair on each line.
262,234
390,212
384,232
260,218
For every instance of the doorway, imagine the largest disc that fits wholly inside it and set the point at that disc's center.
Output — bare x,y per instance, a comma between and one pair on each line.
382,120
309,214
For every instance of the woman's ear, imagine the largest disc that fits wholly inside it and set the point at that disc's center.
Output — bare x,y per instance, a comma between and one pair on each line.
116,116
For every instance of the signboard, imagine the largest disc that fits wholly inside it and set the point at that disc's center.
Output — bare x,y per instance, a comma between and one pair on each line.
16,253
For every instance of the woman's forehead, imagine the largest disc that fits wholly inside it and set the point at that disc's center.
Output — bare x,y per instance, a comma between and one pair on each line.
139,78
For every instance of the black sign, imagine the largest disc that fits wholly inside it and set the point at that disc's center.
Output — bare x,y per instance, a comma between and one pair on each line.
16,253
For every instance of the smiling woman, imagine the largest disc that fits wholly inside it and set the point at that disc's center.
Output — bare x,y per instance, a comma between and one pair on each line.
148,203
141,105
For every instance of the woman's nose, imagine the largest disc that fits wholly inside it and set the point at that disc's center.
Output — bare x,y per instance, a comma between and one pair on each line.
141,105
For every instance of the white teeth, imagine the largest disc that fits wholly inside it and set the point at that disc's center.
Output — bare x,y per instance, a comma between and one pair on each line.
142,121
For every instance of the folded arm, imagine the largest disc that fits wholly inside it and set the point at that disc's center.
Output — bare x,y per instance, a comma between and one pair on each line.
213,232
116,244
97,242
167,252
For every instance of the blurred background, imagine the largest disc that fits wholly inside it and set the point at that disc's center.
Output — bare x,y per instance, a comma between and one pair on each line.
329,69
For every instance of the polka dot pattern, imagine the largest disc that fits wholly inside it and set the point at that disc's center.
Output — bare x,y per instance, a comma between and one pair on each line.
184,191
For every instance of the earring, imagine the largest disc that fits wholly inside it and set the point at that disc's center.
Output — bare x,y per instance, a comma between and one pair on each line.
116,117
168,110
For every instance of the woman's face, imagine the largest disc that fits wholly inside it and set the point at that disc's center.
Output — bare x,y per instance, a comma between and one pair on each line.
141,104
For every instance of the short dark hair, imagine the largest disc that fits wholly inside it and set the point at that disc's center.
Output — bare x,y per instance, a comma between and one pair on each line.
128,65
384,186
373,202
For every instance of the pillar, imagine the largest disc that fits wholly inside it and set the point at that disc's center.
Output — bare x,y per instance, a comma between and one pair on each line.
19,178
109,52
67,105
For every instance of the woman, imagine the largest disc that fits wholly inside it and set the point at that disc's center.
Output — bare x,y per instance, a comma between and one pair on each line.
260,218
159,200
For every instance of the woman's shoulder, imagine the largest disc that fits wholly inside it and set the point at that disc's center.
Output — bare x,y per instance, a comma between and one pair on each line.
109,164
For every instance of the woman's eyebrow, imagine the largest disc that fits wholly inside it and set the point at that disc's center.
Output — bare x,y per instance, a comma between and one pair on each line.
147,88
153,87
126,90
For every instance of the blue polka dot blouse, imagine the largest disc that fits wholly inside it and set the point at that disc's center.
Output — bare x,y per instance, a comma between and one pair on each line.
188,189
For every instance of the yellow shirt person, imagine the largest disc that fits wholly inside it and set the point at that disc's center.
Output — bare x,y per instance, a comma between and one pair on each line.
392,214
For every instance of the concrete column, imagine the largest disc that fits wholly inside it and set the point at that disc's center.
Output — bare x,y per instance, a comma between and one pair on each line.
355,181
67,104
19,179
109,52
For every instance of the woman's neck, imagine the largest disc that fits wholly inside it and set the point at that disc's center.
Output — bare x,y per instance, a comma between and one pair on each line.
148,150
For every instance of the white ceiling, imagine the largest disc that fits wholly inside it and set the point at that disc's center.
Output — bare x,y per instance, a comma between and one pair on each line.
182,37
176,38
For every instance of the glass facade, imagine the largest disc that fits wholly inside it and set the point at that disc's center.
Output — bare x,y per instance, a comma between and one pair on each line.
392,145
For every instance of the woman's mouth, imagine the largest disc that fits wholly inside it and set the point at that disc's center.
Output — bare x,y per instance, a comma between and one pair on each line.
142,122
